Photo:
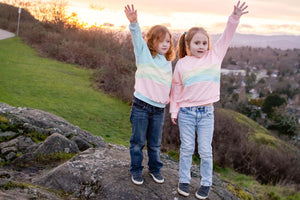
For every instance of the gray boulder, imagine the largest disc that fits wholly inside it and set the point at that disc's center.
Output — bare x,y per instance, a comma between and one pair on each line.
97,171
28,130
56,143
103,173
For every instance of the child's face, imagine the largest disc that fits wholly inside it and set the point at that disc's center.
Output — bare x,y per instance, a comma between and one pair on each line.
198,45
164,45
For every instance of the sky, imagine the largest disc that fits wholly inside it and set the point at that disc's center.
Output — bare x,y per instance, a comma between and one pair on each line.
265,17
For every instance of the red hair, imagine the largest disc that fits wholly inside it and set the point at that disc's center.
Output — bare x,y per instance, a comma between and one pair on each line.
155,35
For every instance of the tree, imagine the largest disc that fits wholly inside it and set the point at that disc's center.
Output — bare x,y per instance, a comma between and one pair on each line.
250,81
51,11
272,101
285,124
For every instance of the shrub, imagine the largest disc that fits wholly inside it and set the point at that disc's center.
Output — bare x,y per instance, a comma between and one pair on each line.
233,148
170,135
285,124
111,55
272,101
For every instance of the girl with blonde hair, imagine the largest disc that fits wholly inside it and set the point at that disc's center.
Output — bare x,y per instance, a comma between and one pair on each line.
195,87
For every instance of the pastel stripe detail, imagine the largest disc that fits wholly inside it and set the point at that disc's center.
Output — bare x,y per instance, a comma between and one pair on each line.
151,72
211,70
211,73
200,78
166,68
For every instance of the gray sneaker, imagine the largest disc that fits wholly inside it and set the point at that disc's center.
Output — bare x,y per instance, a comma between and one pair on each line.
183,189
137,179
202,192
157,177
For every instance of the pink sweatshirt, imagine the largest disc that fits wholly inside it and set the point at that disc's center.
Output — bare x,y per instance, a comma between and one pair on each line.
153,77
196,81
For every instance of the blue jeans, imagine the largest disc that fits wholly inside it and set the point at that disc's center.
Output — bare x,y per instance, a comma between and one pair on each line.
147,124
201,120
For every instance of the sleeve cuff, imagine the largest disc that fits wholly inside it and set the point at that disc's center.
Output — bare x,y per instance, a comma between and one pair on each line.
174,115
133,25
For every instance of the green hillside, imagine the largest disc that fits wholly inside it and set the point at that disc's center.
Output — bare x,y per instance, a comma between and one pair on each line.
27,80
258,133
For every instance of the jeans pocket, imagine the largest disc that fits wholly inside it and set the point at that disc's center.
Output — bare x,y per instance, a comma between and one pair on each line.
136,112
210,114
137,105
183,110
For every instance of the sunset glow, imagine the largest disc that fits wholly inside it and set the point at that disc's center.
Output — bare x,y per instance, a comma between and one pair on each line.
260,20
265,17
92,17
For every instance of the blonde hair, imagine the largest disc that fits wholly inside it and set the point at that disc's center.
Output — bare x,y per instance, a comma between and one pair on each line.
155,35
185,40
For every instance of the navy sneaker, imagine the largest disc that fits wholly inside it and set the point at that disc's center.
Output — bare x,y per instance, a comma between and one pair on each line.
202,192
183,189
157,177
137,179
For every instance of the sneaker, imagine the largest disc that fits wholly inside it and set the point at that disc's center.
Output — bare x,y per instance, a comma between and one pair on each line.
183,189
202,192
137,179
157,177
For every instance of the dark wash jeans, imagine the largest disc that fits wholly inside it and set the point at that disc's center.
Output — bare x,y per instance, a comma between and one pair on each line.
147,124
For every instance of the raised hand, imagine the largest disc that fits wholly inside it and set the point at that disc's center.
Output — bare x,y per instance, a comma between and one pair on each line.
131,13
239,9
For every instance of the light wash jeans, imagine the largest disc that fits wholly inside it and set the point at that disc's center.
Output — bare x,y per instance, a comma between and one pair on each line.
200,119
147,124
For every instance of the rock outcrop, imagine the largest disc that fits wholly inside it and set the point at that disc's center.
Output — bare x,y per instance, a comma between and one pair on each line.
45,157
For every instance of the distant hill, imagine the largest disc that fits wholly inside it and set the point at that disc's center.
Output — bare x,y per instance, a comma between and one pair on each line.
275,41
282,42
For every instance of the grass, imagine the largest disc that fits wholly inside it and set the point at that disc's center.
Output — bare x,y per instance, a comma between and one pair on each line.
246,187
258,133
27,80
264,192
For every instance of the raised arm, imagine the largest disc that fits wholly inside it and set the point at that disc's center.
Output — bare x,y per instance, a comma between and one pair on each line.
239,10
131,13
139,45
221,45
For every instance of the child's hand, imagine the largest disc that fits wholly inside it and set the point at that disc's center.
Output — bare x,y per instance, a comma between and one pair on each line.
239,9
131,13
174,121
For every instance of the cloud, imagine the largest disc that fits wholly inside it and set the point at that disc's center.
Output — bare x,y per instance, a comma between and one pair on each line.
283,27
248,26
277,9
265,16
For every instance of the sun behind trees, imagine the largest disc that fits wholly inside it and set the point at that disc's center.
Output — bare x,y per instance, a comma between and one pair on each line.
110,55
49,11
